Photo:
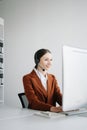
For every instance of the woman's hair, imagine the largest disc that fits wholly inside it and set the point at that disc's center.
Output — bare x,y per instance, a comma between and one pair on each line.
38,54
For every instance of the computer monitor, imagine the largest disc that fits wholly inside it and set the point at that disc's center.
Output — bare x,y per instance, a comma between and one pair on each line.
74,78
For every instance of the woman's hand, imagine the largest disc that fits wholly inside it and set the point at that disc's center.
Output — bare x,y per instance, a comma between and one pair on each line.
56,109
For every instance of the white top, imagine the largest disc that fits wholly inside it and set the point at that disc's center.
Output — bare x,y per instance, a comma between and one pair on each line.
42,78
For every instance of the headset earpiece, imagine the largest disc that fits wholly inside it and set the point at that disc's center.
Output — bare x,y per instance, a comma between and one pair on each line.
36,60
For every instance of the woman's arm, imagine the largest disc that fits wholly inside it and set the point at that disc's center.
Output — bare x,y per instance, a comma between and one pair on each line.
57,93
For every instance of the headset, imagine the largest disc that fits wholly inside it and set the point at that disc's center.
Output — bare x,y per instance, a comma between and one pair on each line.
38,60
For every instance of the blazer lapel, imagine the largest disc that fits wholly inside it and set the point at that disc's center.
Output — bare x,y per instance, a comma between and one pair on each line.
40,86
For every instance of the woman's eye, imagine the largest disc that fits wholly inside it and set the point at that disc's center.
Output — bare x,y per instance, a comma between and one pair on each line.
48,59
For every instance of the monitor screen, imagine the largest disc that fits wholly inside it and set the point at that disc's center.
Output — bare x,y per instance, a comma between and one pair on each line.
74,78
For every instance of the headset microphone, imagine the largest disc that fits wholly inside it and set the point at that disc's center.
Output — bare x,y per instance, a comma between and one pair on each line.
43,69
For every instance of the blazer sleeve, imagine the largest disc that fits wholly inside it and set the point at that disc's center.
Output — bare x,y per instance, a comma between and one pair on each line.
34,102
58,94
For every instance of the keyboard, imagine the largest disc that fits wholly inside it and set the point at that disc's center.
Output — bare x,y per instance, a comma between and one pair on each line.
49,114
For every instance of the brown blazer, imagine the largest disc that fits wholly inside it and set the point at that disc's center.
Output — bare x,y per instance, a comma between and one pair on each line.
38,97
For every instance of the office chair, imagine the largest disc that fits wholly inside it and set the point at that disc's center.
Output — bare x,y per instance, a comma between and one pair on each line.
23,99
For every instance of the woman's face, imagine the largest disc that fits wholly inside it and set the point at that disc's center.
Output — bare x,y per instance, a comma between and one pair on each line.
46,61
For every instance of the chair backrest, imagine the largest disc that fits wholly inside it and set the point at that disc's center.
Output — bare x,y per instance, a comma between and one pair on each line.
23,99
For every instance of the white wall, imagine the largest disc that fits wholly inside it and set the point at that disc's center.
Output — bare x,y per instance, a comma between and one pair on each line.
35,24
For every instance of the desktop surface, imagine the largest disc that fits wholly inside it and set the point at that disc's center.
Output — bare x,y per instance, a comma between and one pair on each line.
20,119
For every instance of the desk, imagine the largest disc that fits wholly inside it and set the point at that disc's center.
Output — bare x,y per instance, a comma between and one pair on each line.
23,119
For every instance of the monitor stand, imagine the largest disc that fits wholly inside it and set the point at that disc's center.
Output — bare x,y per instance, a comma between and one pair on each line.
76,112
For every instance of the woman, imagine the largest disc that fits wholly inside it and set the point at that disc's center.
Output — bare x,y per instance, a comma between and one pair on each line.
41,88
